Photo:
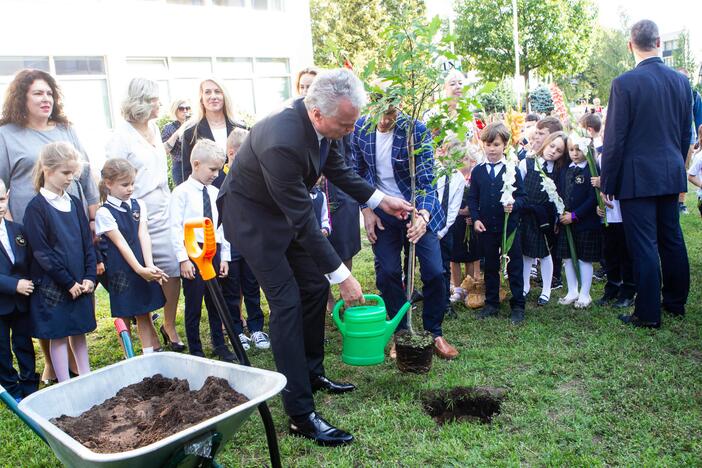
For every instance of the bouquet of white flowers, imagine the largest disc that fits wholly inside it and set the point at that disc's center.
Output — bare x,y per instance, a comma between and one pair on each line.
509,179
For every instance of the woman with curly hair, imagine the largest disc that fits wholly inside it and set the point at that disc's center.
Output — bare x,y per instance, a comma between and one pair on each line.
32,117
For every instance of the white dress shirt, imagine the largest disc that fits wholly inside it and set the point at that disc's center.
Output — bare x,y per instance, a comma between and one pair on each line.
5,239
456,186
186,203
60,202
105,222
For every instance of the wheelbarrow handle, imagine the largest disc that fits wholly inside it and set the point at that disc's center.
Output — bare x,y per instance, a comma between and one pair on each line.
11,404
201,256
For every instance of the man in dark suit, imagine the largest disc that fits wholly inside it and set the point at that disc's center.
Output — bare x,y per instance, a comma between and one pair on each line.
643,165
15,287
268,216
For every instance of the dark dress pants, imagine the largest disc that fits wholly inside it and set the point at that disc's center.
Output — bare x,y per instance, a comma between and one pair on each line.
491,243
297,292
194,290
446,244
656,243
388,249
618,264
241,281
15,336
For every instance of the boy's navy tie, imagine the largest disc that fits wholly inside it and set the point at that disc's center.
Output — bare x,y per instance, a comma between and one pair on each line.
492,170
206,204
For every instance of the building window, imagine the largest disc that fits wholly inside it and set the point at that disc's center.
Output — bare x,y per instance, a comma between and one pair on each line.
275,5
186,2
11,65
230,3
79,65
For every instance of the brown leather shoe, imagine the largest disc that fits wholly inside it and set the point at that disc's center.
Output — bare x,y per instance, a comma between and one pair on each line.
443,349
393,351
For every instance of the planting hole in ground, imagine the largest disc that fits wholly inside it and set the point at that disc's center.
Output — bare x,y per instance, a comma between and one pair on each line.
464,403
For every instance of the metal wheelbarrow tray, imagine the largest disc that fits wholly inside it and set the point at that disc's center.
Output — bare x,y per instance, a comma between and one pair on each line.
76,396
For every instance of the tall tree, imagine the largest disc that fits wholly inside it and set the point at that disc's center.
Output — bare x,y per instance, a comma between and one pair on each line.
350,29
554,36
683,56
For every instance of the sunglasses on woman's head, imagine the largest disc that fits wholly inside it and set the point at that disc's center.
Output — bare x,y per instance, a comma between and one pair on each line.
183,108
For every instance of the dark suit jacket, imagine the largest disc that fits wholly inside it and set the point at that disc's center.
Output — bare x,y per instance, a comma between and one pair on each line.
264,201
484,199
190,137
647,135
10,273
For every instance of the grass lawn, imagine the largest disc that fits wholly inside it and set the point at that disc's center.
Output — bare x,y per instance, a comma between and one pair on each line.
583,391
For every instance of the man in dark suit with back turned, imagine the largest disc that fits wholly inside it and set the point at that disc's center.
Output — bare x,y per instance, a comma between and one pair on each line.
268,216
643,165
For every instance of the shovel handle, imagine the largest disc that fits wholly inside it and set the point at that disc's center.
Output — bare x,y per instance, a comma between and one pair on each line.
201,256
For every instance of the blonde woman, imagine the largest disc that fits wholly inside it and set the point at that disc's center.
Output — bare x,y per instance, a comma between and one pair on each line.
180,112
138,140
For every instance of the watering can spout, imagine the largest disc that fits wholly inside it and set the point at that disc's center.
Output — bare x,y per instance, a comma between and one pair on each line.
392,324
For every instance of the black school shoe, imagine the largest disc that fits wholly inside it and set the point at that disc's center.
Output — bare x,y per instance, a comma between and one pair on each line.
488,311
623,303
604,300
517,316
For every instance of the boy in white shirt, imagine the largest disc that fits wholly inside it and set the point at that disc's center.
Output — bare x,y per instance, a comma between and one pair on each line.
194,198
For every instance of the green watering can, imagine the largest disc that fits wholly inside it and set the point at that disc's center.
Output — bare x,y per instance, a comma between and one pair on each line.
365,331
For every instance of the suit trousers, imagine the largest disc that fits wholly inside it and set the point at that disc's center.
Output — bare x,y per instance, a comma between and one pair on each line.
388,273
491,243
241,281
618,263
15,336
297,292
656,243
446,244
194,291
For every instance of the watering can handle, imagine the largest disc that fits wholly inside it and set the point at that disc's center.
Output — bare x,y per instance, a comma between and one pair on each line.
340,304
202,257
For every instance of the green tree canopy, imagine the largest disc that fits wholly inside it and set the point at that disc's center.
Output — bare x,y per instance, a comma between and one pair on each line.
555,36
683,58
350,29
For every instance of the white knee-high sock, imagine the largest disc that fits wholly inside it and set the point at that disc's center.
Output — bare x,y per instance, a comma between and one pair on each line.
58,349
80,350
586,270
546,275
526,272
571,279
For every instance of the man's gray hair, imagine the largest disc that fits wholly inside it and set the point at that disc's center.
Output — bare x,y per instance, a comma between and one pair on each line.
644,35
330,87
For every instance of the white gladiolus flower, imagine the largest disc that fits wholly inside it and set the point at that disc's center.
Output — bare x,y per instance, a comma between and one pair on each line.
549,187
581,142
509,178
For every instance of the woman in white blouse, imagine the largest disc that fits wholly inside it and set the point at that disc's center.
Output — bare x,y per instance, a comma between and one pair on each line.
138,140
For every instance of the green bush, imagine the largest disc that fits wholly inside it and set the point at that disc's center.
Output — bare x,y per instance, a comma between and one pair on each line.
541,100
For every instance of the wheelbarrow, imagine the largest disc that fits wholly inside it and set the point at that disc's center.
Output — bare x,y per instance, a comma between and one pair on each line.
194,446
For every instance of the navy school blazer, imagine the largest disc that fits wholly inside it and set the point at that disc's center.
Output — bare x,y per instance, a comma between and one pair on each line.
11,273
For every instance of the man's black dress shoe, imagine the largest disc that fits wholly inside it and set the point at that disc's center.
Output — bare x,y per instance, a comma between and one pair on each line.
604,300
517,316
633,320
322,383
312,426
623,303
674,312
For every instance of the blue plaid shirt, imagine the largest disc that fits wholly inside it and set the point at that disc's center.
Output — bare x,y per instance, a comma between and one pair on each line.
363,149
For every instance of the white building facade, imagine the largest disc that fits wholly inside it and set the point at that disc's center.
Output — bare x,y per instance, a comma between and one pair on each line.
94,47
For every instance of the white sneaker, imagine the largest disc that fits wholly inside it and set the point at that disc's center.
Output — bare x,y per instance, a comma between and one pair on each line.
567,300
458,295
260,340
244,341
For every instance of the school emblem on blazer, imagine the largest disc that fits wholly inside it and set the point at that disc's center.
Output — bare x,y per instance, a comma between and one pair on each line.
580,179
20,240
136,215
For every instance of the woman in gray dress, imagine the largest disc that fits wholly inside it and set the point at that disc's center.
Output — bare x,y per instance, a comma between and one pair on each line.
138,140
32,117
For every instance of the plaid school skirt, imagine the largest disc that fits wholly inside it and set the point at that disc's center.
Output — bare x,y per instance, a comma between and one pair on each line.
533,239
588,244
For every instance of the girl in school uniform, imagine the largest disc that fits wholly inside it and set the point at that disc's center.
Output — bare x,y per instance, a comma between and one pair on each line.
538,214
129,267
63,267
580,213
321,209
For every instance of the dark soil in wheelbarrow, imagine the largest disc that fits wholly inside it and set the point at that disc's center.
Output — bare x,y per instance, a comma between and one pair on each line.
148,411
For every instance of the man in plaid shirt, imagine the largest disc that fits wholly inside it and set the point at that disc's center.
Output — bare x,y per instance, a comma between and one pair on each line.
382,159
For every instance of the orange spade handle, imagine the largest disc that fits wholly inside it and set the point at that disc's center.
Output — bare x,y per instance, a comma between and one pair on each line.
202,257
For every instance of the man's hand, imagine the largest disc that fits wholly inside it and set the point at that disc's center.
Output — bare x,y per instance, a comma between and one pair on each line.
223,269
479,226
416,230
351,292
25,287
187,270
371,221
396,207
608,200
